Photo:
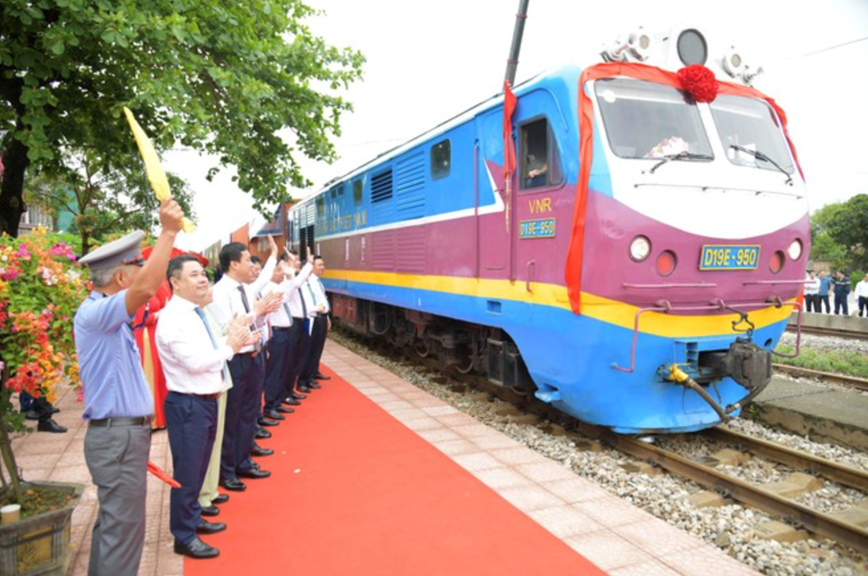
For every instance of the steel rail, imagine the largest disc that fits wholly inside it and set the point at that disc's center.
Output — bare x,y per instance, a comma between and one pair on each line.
853,334
756,496
846,475
859,383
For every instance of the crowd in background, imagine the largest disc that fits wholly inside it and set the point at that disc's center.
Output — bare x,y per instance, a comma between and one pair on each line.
819,288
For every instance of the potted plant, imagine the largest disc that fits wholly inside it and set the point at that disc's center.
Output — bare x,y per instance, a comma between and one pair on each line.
39,292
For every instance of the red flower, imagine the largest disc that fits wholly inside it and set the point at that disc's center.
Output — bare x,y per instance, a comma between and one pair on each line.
699,82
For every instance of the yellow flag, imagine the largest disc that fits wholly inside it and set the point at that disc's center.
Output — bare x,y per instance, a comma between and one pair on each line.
153,166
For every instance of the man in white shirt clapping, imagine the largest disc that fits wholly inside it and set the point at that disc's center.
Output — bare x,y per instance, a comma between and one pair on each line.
193,360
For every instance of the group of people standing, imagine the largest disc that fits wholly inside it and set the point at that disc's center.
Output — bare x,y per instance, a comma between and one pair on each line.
237,358
819,286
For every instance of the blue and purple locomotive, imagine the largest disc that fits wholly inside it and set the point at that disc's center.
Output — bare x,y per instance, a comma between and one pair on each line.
634,268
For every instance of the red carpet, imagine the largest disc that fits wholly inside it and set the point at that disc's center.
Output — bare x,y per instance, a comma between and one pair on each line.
355,492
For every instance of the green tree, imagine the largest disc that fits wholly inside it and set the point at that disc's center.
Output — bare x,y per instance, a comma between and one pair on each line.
842,229
102,202
823,245
246,81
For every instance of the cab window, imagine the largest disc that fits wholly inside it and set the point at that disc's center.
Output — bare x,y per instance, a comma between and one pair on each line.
538,155
649,120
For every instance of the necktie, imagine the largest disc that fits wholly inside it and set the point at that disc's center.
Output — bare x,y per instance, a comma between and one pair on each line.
321,287
258,344
201,314
312,295
288,313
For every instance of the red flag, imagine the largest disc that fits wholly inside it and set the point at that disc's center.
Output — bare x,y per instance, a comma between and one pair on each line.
509,103
162,475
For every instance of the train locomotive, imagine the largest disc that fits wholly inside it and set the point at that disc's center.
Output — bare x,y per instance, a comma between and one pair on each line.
634,266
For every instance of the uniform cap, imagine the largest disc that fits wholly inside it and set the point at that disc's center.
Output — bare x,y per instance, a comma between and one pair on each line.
126,250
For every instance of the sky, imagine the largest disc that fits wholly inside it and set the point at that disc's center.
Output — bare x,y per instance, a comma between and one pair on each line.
427,61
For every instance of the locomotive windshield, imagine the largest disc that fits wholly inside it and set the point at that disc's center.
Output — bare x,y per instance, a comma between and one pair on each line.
750,133
648,120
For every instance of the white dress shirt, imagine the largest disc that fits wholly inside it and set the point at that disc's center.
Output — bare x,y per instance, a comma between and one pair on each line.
314,296
227,299
282,317
862,289
812,286
294,296
190,361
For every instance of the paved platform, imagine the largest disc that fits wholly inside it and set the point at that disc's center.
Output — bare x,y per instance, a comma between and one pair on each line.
815,410
852,322
616,536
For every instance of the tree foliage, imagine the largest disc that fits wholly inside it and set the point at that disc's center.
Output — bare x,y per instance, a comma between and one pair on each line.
101,202
246,81
839,233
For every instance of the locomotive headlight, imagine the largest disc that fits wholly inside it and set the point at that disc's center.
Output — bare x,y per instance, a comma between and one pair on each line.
640,248
795,249
733,62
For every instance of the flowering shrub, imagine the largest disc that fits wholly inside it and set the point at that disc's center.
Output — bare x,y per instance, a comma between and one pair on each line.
40,291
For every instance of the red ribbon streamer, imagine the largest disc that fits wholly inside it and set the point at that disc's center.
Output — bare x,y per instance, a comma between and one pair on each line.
162,475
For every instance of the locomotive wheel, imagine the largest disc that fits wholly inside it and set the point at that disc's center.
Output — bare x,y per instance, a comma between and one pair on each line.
421,348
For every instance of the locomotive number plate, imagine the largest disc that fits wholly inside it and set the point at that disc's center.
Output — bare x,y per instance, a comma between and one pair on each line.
544,228
729,257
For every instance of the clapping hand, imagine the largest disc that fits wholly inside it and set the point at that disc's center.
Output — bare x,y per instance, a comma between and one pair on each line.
309,256
239,334
272,246
268,304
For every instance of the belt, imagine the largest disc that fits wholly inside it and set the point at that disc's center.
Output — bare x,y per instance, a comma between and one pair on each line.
115,422
281,328
214,396
299,318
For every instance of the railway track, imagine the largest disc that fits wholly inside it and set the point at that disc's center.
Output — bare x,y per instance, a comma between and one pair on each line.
705,475
860,383
852,334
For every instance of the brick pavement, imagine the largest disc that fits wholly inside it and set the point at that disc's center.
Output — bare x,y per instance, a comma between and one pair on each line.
60,458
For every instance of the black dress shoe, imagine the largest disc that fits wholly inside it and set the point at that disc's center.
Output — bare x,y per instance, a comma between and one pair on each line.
233,484
220,499
275,415
321,376
262,434
196,549
266,422
297,396
53,410
50,426
210,510
313,385
289,402
31,415
206,527
305,389
284,410
256,474
260,451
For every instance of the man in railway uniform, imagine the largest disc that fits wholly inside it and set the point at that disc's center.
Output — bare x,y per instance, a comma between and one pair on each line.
841,284
194,363
233,296
117,402
862,296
